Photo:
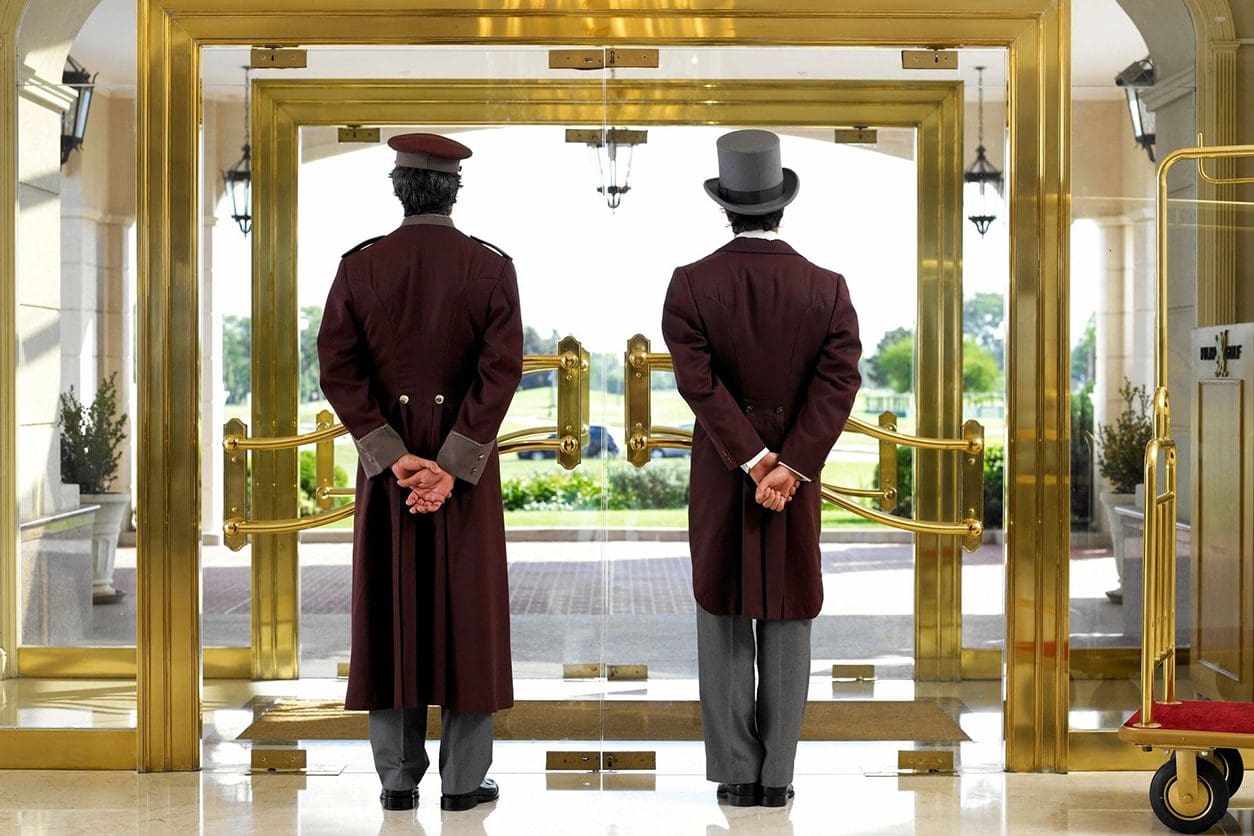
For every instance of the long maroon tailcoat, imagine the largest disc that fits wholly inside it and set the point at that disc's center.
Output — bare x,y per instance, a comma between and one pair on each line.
766,349
421,351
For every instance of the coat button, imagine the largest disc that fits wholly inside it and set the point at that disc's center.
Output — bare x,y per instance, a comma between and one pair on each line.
439,399
748,408
779,410
403,399
481,457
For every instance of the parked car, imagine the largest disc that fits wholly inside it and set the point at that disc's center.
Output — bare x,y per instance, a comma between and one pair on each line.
672,452
599,439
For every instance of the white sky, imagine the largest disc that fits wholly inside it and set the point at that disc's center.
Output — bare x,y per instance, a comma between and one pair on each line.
600,274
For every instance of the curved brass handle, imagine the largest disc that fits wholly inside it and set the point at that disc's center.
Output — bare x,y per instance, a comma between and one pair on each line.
972,444
969,529
236,441
237,526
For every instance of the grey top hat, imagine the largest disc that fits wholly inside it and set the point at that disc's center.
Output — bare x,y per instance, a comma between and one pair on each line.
750,179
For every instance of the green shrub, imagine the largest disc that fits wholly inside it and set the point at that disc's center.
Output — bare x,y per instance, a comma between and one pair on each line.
91,438
1121,454
660,484
994,485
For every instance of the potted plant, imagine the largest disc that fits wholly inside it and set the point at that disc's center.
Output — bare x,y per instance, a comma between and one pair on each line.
91,442
1121,461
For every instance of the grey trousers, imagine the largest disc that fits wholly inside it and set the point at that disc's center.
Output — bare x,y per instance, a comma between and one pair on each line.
751,737
398,737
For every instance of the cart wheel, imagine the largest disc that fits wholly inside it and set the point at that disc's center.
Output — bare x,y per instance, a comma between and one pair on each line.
1230,766
1189,816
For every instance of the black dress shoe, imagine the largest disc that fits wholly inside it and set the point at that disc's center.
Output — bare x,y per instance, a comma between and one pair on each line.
399,799
488,791
777,796
740,795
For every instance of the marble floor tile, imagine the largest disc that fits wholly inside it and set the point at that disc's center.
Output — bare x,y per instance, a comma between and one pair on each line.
237,803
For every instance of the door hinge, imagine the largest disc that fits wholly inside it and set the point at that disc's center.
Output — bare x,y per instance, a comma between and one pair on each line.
612,136
589,761
857,136
599,59
278,58
929,59
356,133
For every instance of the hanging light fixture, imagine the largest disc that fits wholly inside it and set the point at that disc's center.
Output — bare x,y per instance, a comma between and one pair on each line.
1136,77
74,119
984,180
239,177
607,148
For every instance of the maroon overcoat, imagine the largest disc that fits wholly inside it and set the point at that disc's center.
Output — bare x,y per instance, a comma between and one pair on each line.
421,352
765,346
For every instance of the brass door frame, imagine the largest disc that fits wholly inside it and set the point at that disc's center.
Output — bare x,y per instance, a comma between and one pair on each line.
1036,34
934,110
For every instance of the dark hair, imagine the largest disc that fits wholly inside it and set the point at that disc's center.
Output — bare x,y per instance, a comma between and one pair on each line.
425,192
743,223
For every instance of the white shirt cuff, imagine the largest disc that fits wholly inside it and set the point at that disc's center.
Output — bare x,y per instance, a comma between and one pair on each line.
753,462
798,474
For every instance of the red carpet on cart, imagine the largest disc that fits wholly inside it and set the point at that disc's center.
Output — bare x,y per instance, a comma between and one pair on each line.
1199,715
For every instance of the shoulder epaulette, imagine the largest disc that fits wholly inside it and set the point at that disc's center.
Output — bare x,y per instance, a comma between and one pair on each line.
494,248
362,245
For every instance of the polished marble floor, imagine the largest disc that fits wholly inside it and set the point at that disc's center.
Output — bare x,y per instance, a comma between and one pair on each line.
235,803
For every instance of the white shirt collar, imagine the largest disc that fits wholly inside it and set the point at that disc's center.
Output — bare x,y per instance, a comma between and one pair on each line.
764,234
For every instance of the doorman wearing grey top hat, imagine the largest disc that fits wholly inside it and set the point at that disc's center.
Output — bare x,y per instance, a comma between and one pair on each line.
765,346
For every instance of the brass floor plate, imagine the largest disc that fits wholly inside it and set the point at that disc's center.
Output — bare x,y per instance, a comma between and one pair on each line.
278,760
853,673
926,761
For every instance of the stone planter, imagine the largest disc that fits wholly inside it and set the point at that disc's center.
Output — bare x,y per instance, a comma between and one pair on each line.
104,542
1110,501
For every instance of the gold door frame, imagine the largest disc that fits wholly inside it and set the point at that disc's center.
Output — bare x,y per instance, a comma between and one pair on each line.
932,109
1036,34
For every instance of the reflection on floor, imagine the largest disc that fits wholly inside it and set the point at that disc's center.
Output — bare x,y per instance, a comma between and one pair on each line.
666,805
632,600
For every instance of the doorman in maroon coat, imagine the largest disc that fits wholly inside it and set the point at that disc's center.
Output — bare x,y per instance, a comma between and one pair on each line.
765,346
420,352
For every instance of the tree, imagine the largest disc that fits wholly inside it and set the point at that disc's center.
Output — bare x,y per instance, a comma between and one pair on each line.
311,322
237,346
892,364
1084,356
533,343
980,371
982,317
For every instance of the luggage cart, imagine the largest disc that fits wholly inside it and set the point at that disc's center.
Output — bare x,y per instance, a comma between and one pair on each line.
1190,792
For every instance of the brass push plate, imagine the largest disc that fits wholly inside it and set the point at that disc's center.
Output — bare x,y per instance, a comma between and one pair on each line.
857,136
596,761
341,670
599,59
929,59
234,484
279,59
584,761
354,133
926,762
278,760
853,673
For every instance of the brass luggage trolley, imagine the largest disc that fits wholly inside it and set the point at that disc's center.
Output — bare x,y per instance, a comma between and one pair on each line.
1190,792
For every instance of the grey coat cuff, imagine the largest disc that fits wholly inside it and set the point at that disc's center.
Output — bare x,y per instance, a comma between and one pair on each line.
378,449
463,457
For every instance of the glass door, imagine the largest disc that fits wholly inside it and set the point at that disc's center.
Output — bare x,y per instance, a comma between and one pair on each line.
601,603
